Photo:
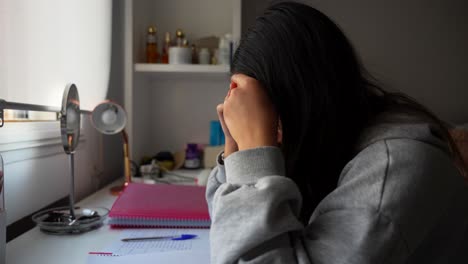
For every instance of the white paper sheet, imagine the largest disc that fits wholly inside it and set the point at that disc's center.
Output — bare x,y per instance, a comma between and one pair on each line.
200,243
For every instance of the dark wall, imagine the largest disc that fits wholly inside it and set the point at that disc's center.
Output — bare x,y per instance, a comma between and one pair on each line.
419,47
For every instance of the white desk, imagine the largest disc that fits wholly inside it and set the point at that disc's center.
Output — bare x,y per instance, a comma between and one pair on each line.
35,246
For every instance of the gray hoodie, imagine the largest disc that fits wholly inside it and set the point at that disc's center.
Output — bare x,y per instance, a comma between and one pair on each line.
399,200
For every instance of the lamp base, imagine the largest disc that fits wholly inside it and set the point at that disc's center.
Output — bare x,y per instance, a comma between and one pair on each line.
116,190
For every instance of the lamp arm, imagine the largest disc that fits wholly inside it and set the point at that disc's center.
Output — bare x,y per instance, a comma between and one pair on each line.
127,171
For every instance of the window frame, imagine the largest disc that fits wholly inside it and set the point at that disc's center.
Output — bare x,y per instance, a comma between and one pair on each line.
31,134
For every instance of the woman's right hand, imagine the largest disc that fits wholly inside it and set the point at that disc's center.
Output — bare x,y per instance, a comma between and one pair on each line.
230,144
249,114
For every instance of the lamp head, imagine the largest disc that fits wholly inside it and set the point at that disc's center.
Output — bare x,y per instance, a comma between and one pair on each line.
109,118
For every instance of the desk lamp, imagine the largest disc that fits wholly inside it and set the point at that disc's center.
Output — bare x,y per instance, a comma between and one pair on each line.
110,118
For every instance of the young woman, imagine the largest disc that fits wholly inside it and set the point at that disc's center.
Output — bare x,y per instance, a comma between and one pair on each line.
321,165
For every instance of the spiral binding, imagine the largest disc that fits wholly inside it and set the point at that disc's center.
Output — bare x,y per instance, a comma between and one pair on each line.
152,222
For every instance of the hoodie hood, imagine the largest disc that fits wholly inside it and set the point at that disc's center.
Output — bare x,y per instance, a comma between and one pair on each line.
403,126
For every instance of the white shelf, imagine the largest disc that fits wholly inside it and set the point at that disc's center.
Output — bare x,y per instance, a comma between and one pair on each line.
212,18
180,68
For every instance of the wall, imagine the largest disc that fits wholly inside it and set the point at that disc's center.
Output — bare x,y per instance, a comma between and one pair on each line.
191,104
112,161
175,109
418,47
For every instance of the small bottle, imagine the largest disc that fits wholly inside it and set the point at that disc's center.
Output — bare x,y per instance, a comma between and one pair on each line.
152,46
165,51
192,157
204,56
179,38
225,50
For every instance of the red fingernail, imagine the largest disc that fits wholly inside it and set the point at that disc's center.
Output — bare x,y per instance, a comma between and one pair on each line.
233,85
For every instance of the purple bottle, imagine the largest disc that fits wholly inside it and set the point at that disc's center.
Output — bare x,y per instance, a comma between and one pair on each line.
192,157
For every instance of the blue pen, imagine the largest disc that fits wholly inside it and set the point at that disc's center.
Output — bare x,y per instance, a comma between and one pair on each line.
180,237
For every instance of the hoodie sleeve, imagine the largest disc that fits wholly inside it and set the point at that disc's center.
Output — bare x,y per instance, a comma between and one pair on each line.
255,208
216,178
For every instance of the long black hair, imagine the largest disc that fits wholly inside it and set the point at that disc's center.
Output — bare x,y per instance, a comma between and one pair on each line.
322,94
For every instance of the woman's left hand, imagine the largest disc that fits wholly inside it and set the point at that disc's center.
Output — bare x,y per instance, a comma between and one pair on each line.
230,144
249,114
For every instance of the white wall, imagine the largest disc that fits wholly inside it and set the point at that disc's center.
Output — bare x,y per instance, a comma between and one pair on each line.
183,110
174,110
419,47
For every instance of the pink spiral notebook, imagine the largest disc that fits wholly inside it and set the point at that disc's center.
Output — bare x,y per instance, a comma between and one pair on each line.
160,205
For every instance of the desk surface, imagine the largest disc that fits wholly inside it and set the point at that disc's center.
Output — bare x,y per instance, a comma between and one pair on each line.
35,246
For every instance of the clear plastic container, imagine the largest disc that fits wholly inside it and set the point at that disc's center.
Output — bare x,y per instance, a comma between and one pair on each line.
225,46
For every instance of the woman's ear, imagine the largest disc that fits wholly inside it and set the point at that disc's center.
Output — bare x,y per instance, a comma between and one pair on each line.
280,132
